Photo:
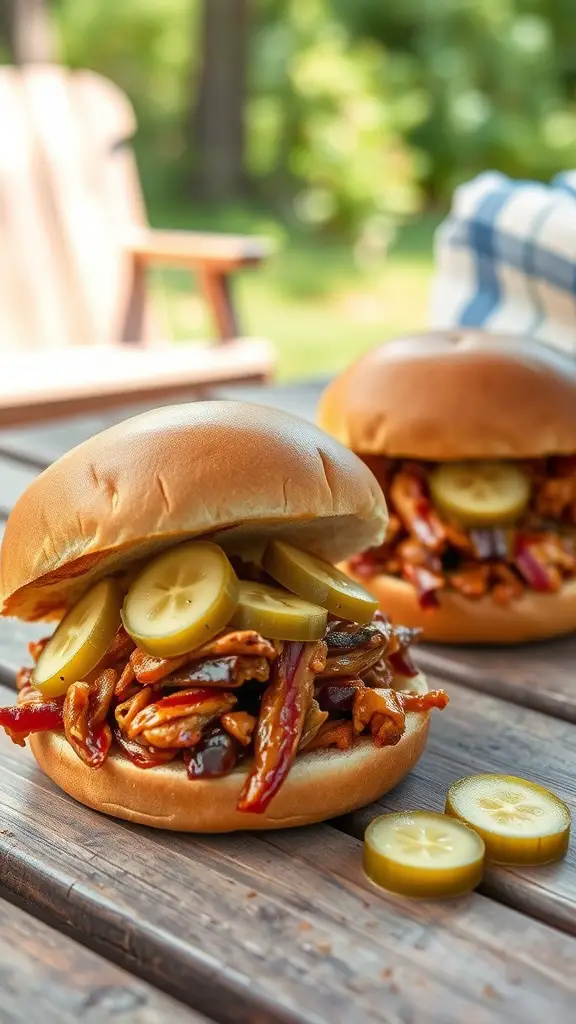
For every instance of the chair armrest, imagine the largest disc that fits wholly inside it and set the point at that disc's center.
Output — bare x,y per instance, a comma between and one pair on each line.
210,252
213,258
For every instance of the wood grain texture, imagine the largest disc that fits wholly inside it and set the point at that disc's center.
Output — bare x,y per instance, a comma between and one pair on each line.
14,639
278,928
38,445
540,675
300,399
14,479
36,386
47,978
478,733
41,445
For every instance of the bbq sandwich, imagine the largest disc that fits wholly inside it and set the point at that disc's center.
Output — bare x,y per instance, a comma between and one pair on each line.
210,669
473,440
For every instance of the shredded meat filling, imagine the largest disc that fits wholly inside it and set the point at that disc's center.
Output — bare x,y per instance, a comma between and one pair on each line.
338,734
240,725
86,708
313,722
178,720
434,553
240,696
382,712
231,643
230,671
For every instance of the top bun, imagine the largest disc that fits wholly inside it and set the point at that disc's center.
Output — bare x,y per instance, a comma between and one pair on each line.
458,394
180,472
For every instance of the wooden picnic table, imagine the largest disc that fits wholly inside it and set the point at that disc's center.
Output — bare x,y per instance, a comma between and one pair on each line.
101,919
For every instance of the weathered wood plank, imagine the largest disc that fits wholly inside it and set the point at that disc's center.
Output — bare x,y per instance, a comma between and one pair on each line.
478,733
541,675
14,638
36,387
14,479
38,445
47,978
274,928
41,445
300,399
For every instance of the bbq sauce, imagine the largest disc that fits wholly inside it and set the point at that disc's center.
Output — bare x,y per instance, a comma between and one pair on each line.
336,699
214,756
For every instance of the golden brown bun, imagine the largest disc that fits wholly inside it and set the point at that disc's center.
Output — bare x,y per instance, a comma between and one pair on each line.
460,620
180,472
455,395
321,785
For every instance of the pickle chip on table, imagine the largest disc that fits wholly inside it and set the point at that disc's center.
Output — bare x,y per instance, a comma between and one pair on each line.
519,821
210,669
472,437
423,854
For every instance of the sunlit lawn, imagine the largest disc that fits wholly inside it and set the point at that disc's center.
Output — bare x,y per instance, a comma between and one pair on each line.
315,303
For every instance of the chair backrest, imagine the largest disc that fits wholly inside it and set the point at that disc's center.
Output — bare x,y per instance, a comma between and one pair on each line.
69,195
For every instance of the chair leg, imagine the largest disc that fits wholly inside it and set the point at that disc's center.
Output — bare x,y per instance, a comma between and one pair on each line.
218,294
133,328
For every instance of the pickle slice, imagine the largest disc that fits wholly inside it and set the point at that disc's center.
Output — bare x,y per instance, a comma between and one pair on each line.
81,639
181,599
423,854
480,493
277,614
318,581
519,821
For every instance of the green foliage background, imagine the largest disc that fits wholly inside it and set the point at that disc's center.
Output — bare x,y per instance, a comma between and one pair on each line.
361,117
356,112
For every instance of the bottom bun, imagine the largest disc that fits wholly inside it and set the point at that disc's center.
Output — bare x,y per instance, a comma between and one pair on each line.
322,784
461,620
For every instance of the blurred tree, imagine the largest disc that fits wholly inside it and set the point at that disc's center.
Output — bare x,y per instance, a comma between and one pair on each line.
218,118
26,33
325,130
342,116
499,74
6,48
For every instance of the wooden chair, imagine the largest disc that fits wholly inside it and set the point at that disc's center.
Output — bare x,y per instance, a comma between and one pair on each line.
77,327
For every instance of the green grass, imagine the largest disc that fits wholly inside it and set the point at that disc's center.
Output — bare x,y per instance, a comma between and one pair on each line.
312,299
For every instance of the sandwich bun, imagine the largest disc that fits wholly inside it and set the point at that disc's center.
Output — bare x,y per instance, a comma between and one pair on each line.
462,620
320,785
461,394
236,473
451,395
225,470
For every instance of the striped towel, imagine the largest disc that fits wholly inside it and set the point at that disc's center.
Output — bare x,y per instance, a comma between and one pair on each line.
506,259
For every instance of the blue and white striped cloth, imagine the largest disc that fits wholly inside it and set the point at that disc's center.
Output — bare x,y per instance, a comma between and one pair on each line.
506,259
